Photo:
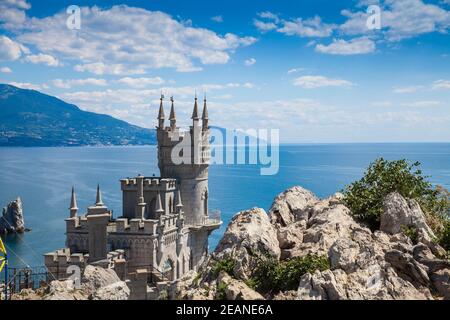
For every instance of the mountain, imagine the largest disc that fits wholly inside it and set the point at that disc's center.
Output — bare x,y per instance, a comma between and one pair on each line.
30,118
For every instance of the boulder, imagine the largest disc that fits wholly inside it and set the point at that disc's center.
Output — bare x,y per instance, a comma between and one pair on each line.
95,278
64,290
441,281
291,205
12,218
237,290
115,291
248,236
399,212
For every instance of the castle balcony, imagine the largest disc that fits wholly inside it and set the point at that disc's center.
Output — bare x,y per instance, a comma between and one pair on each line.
211,222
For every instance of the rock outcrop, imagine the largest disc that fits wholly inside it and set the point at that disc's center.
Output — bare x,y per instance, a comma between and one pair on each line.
96,284
381,265
12,220
249,231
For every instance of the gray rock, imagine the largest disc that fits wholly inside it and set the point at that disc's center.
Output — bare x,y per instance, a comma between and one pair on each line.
291,206
399,212
441,281
237,290
12,220
248,234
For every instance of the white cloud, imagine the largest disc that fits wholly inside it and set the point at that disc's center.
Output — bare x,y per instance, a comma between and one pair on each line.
218,19
441,84
12,13
421,104
69,83
381,104
99,68
5,70
141,82
250,62
312,27
342,47
264,26
410,89
400,19
295,70
9,49
27,85
113,42
269,15
44,59
20,4
248,85
312,82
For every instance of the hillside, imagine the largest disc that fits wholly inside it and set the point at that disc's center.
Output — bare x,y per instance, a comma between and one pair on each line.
30,118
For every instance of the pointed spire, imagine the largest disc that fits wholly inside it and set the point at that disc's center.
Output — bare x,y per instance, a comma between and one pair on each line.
195,112
161,108
159,208
172,118
73,204
161,116
205,109
98,199
179,203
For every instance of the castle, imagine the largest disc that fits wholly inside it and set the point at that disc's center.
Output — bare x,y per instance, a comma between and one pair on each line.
165,222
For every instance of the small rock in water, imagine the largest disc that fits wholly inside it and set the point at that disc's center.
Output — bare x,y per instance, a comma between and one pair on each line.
12,220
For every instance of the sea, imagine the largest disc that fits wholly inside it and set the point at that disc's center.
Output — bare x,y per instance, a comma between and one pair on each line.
43,178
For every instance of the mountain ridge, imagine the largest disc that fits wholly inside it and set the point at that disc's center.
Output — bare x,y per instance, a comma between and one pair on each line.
32,118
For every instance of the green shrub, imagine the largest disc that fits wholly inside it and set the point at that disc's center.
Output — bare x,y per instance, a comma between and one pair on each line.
411,233
272,275
221,291
444,237
365,197
226,265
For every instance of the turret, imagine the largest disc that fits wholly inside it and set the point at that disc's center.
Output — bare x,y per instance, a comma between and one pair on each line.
98,198
159,208
205,115
179,204
195,117
172,118
73,204
161,114
140,205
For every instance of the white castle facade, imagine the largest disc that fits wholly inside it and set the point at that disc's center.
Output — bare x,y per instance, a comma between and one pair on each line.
165,222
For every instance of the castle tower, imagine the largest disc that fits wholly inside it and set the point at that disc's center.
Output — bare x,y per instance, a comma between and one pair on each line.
73,204
140,205
192,175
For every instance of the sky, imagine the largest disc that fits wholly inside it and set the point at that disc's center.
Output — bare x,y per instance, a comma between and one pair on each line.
313,69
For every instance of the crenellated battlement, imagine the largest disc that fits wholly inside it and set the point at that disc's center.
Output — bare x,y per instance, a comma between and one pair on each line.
57,262
150,184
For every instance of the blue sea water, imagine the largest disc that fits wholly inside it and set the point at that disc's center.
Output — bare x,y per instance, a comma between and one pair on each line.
43,177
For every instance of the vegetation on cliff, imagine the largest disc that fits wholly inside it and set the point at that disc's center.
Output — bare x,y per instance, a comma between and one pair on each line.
365,197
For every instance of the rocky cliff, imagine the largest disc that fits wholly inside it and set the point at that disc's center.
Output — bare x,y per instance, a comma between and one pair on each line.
96,284
384,264
12,220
